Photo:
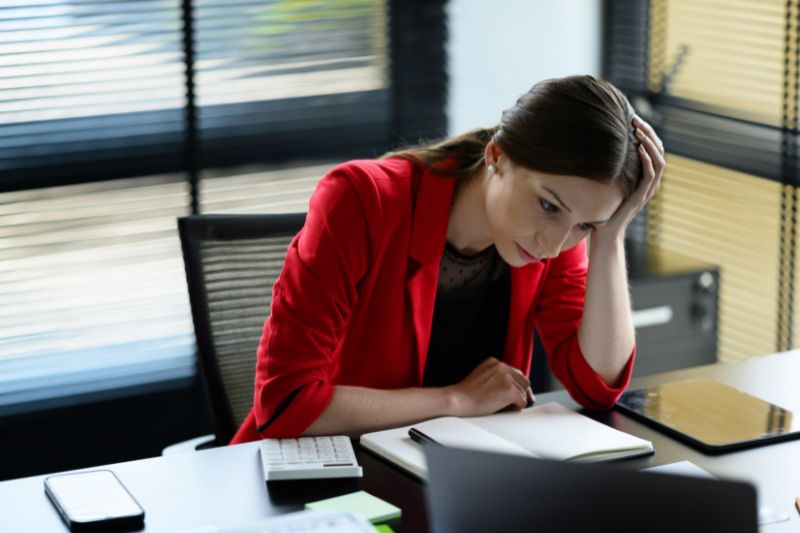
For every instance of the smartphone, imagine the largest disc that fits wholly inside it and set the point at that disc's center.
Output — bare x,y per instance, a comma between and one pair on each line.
94,501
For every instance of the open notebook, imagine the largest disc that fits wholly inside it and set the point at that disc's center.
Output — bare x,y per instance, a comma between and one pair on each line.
549,431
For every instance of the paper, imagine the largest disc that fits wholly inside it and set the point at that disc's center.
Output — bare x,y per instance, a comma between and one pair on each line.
460,433
299,522
361,503
682,468
397,446
554,432
550,431
766,515
383,528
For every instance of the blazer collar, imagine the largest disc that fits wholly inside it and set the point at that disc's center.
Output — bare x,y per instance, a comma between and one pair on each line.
428,235
431,215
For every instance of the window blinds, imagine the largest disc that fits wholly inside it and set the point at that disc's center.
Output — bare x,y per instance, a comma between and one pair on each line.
726,55
278,189
721,88
730,219
89,90
93,98
92,289
284,79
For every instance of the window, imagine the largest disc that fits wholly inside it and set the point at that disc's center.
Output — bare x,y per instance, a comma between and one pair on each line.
92,290
285,79
117,116
719,82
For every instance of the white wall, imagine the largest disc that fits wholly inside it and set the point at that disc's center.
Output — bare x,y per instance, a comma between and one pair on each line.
499,48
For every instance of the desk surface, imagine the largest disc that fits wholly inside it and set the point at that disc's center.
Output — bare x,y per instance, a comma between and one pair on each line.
224,486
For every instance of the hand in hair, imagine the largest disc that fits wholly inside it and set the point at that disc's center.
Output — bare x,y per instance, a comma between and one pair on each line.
651,154
491,387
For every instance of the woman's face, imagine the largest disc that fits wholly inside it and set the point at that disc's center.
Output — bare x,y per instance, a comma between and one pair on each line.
533,215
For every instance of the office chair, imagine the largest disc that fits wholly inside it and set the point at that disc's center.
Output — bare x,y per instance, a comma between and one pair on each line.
232,262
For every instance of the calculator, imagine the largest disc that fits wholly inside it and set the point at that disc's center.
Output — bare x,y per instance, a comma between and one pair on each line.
309,458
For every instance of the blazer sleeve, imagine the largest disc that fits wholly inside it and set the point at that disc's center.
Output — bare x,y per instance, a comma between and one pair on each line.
311,304
558,315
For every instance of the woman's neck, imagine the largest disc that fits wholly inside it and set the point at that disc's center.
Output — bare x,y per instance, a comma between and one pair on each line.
468,226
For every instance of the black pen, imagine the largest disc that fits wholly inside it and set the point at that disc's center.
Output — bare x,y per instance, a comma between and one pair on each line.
420,437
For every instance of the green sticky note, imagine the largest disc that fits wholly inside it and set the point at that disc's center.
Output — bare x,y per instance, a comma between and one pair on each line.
361,503
383,528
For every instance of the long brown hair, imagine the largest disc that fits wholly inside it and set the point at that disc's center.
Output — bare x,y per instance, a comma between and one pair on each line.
576,126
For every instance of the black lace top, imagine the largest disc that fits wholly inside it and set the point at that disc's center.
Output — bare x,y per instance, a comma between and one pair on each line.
470,315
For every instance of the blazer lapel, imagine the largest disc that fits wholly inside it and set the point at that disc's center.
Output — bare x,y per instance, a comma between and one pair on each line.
428,235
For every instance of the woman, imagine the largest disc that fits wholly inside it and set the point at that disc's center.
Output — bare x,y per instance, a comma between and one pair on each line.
415,286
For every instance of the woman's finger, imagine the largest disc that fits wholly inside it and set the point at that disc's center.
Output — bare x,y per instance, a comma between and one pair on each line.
648,171
517,395
519,377
648,143
656,159
653,189
650,132
658,163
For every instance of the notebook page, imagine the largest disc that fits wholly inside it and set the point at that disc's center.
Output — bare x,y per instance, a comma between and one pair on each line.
460,433
396,446
555,432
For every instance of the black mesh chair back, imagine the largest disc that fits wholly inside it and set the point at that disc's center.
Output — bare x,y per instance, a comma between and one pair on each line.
232,262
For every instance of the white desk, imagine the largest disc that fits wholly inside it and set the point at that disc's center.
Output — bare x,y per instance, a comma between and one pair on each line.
224,486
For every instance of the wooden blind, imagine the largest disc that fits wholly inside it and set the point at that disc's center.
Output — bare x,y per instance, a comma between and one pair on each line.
728,55
287,79
730,219
722,79
96,144
92,290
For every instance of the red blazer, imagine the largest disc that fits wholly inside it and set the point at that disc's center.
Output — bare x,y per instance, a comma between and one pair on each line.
354,302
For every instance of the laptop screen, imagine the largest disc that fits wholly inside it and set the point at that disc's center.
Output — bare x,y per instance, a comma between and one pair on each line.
471,491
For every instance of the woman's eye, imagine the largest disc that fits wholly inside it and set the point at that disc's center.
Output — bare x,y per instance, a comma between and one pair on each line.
547,206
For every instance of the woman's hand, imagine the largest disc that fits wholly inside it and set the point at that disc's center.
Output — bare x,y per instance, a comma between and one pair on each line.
651,153
491,387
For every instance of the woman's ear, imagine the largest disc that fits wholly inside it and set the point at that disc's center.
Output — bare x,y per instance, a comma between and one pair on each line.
491,154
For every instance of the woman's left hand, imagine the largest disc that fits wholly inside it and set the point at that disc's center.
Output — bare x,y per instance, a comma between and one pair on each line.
651,153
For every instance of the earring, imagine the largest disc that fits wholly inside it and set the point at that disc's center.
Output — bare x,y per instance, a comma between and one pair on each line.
491,169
